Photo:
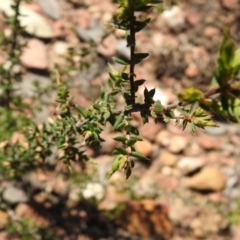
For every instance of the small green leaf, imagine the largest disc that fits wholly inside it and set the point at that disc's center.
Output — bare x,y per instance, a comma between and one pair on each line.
128,171
153,114
122,138
190,95
103,109
183,111
143,8
138,155
185,122
112,70
96,106
139,25
145,115
136,137
139,57
169,114
125,76
193,128
227,60
192,108
114,92
121,61
152,92
236,59
120,126
82,111
106,115
158,107
112,76
139,82
121,26
127,98
115,165
134,130
132,163
131,142
166,118
120,151
118,121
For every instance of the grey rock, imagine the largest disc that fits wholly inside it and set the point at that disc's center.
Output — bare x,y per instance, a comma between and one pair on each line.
26,88
14,195
174,18
232,182
190,164
95,32
50,7
216,131
121,48
33,22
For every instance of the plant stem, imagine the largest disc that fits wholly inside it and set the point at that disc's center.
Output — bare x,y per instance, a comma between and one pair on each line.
208,94
132,44
16,29
12,52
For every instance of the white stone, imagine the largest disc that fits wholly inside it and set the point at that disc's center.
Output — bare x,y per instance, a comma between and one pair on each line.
174,18
33,22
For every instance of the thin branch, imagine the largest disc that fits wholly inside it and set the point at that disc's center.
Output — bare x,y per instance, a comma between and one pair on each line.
16,26
144,106
132,44
208,94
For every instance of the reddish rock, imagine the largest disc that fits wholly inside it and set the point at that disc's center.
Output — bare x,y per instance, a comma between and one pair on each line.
209,179
193,18
163,138
193,150
39,216
35,55
178,144
190,164
229,4
59,29
58,186
174,18
4,218
167,158
150,130
211,32
167,183
82,18
145,147
191,71
209,142
146,218
107,47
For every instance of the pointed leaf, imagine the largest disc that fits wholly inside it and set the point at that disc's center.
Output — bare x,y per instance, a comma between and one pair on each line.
82,111
184,124
139,25
139,82
193,128
118,121
121,61
115,165
121,26
158,107
122,138
138,155
139,57
120,151
128,171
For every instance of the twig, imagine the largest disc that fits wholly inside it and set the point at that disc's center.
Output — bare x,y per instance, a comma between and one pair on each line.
132,43
144,106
